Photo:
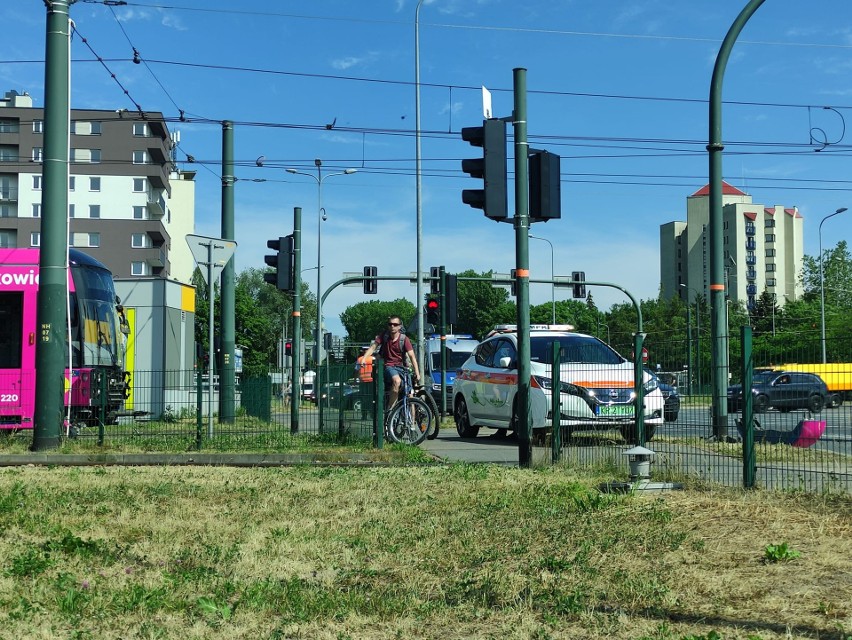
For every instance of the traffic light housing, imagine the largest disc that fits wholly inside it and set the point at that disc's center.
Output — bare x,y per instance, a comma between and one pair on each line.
288,348
281,262
514,285
451,298
371,285
579,289
433,311
545,187
435,280
491,167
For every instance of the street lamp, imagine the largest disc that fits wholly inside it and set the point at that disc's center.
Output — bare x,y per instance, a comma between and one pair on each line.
822,284
697,337
608,340
552,277
320,217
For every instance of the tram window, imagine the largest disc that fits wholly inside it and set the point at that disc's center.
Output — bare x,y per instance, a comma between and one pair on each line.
11,326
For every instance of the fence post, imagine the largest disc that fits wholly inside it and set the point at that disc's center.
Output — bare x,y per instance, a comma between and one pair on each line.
199,421
556,404
102,393
379,402
749,462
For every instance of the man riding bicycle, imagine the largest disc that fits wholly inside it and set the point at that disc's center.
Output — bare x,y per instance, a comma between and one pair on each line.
393,346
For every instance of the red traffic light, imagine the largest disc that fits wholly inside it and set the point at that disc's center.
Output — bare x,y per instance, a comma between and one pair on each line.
431,305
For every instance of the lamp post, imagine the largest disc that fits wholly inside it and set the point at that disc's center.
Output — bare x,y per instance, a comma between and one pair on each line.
320,217
822,284
552,286
697,336
418,178
608,341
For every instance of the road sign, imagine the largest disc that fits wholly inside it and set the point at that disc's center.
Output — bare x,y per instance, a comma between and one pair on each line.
208,250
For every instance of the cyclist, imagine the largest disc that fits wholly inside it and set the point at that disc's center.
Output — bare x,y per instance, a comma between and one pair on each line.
394,346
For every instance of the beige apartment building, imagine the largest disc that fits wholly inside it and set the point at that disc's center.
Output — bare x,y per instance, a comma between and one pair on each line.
763,249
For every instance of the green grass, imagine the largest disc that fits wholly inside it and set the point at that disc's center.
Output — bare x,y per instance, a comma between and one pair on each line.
459,551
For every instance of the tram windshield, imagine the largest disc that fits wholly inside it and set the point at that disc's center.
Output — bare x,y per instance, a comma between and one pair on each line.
95,333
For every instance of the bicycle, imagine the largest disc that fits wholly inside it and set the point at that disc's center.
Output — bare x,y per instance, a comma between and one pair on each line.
423,394
410,419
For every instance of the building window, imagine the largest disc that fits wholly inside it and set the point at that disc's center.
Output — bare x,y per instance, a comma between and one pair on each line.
72,183
770,222
137,240
770,253
140,213
37,210
35,239
137,268
8,239
770,267
8,126
36,182
140,157
91,156
70,210
770,282
8,153
141,129
86,239
94,211
38,126
770,237
94,184
38,154
7,212
85,128
140,185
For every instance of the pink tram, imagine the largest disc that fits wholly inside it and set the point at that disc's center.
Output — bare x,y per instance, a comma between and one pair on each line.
96,384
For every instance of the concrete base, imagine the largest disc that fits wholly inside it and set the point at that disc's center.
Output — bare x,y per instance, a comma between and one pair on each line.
641,486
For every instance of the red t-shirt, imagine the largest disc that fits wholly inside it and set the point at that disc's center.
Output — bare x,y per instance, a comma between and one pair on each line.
394,351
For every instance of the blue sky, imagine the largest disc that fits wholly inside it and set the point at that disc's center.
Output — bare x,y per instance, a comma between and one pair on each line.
617,88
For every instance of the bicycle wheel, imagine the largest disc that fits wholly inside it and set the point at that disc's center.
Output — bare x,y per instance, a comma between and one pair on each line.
409,421
433,407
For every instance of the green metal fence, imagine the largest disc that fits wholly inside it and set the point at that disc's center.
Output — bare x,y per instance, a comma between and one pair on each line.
794,442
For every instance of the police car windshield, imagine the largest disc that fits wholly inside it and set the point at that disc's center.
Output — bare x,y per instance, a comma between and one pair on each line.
574,348
455,359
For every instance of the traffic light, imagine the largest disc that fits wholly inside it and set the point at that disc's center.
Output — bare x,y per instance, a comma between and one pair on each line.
451,298
326,341
545,187
288,348
281,262
433,311
435,280
579,289
491,167
371,285
514,282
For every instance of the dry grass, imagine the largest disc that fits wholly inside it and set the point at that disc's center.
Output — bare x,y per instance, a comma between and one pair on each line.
444,552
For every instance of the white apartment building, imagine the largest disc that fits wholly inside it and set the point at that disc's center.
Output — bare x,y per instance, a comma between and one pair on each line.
128,206
763,249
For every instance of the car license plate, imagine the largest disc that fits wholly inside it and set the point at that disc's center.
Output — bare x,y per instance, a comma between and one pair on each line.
616,410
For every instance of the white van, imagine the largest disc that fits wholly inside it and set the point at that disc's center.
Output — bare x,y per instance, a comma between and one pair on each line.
459,348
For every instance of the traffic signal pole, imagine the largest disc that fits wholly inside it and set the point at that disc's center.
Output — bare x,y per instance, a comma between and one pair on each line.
296,374
522,261
227,313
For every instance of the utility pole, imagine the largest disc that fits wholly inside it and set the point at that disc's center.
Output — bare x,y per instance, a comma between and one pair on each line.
296,375
52,333
522,265
227,385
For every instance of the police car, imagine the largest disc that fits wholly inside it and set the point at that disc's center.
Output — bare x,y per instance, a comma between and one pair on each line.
597,384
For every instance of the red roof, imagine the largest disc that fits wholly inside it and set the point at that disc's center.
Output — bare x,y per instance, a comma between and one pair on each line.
750,215
793,212
770,211
727,190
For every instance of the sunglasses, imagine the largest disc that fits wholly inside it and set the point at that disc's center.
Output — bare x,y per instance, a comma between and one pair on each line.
394,324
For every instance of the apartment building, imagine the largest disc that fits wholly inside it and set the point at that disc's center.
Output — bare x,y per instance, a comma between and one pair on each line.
128,206
763,249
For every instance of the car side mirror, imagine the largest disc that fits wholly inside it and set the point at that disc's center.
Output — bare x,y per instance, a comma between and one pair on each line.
505,361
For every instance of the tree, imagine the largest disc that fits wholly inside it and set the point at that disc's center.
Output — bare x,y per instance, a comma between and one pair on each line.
365,320
481,305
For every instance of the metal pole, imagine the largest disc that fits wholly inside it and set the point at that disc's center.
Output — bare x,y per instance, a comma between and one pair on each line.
296,372
227,313
318,337
210,354
51,340
522,261
552,277
418,179
719,369
822,285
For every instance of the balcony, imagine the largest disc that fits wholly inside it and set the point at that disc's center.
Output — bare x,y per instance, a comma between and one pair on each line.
751,289
751,260
157,257
750,245
8,194
751,274
156,204
749,229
